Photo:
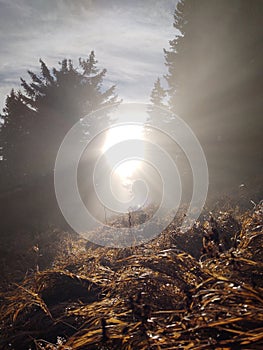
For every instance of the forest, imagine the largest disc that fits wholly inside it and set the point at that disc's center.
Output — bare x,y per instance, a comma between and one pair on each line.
139,278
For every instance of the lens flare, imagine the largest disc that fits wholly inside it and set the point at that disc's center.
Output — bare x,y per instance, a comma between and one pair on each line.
127,169
134,167
119,134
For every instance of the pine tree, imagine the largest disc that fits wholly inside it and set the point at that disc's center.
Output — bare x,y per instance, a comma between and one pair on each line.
157,109
181,58
214,82
158,94
15,134
37,119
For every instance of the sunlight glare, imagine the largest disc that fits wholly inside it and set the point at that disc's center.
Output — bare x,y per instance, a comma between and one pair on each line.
118,134
122,133
127,168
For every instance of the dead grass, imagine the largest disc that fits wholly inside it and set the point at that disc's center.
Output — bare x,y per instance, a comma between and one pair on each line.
154,296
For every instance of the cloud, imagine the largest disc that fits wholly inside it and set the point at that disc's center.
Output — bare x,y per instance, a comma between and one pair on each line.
127,36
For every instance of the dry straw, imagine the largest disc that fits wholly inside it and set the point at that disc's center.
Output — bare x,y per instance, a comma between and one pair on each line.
152,296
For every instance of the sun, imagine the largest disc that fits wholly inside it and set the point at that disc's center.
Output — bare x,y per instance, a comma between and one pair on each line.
122,133
124,168
127,168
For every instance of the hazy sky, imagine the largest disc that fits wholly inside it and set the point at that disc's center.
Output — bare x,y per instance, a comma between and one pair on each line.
128,37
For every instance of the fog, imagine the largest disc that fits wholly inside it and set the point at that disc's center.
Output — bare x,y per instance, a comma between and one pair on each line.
196,141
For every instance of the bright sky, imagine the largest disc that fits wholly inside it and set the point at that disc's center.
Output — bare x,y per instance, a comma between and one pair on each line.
128,37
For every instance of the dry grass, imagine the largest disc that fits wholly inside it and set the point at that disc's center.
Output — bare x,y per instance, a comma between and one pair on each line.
153,296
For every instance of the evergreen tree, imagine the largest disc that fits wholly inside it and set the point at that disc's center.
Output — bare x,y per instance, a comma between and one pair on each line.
15,133
214,81
157,109
37,119
158,94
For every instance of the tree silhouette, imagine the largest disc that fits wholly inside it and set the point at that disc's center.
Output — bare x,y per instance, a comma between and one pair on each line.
157,109
37,119
214,81
15,133
158,94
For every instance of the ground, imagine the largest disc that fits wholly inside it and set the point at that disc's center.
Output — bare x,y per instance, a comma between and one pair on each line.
200,290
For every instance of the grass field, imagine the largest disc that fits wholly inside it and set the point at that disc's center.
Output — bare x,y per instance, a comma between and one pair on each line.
198,290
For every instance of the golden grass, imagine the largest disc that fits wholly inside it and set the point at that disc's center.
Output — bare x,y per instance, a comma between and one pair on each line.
147,297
